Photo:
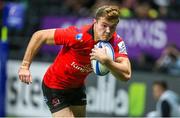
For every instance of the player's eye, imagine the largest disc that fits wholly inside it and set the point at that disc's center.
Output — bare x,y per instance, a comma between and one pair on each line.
103,25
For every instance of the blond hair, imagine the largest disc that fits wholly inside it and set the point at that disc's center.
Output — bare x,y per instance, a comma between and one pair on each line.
110,12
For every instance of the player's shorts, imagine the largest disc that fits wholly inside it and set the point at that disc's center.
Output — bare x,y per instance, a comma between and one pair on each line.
57,99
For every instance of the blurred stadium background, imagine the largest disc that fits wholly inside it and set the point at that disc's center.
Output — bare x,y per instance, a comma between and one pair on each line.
147,27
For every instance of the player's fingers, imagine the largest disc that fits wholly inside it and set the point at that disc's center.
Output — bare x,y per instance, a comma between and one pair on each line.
21,78
24,75
91,54
95,46
92,57
93,49
30,79
24,78
20,75
27,79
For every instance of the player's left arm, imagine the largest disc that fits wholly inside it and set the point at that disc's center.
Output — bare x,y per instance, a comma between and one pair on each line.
121,68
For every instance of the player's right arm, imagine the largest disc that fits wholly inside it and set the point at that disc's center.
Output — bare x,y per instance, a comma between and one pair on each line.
38,38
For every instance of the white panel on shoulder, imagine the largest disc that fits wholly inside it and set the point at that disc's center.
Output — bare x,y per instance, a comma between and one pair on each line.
118,36
122,47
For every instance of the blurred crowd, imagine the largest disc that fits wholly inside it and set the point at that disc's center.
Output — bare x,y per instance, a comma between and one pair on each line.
128,8
168,62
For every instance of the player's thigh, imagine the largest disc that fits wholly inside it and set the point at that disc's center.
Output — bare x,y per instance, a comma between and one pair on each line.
65,112
79,111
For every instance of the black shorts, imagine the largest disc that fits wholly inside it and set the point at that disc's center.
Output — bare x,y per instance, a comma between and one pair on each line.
57,99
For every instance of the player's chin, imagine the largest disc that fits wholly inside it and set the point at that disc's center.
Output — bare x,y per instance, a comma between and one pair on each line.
106,38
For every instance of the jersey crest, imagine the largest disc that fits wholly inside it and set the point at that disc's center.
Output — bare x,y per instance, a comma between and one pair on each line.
79,36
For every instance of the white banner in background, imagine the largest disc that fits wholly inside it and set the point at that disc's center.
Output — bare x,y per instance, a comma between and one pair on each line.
27,100
106,99
22,99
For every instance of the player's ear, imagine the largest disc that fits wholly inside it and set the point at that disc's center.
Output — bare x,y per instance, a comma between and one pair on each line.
94,20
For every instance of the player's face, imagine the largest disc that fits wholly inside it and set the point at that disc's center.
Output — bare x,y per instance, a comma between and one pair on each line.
104,29
157,91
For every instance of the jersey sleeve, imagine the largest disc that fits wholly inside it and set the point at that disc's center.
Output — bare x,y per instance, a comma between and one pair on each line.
165,109
66,36
120,48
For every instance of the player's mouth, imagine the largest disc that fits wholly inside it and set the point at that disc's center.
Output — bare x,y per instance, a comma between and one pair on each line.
106,37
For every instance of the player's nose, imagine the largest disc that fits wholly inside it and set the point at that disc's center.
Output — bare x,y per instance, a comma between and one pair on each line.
108,30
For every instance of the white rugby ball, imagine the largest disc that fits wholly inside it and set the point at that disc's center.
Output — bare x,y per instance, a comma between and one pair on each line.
98,68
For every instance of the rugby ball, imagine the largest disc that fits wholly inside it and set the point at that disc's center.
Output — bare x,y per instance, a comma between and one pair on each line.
98,68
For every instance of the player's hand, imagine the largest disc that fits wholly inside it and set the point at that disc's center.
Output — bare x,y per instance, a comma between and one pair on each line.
25,75
99,54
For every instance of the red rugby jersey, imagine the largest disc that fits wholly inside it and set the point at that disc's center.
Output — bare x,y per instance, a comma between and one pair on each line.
72,63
